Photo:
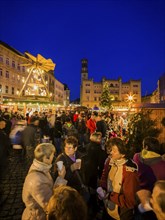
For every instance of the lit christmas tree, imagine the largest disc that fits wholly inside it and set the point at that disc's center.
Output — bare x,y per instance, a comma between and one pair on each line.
106,99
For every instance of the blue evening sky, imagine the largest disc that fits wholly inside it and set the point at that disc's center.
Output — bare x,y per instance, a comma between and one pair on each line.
120,38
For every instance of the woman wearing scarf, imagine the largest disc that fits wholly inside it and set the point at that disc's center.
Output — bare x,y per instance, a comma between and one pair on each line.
119,181
38,185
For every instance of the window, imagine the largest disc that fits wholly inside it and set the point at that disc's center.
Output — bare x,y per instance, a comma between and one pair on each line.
0,88
18,67
7,61
7,74
95,98
1,58
135,86
13,64
12,90
1,72
6,89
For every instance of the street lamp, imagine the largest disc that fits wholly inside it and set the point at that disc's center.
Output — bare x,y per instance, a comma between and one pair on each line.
130,99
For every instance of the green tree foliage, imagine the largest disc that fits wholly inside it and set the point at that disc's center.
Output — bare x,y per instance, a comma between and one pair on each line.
140,126
105,99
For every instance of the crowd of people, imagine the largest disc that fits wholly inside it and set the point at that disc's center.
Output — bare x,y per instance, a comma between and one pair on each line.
98,179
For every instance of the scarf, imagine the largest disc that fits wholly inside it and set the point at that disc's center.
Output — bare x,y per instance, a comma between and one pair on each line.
114,183
149,154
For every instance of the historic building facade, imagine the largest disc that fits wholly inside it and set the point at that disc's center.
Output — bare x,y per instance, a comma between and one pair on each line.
90,91
13,75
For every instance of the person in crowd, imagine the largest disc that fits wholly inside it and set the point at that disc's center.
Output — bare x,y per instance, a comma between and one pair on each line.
51,122
119,181
30,136
90,125
80,125
151,166
75,117
157,199
66,203
8,126
43,125
58,135
68,129
91,122
38,185
101,126
74,170
95,159
94,165
4,143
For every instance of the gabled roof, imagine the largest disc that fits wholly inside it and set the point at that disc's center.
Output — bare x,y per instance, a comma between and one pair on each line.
11,48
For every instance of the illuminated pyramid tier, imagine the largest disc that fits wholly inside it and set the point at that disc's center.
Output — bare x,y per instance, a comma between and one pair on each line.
35,86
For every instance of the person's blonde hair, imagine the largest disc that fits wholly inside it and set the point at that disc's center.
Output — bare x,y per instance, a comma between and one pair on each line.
66,203
44,149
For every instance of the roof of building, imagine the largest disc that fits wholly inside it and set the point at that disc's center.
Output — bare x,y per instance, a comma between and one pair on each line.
11,48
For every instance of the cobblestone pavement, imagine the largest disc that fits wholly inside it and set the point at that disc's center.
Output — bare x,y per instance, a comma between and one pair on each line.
12,176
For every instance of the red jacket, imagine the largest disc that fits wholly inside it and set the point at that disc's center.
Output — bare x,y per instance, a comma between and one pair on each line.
130,185
91,125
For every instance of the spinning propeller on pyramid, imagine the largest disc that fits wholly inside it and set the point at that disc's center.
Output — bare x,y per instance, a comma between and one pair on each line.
35,84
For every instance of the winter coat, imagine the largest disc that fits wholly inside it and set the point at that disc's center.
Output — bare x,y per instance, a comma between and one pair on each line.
95,159
91,125
37,190
72,177
150,169
58,129
29,136
128,184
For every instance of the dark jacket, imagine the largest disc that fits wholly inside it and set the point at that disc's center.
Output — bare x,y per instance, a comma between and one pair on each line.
94,163
58,129
72,177
29,136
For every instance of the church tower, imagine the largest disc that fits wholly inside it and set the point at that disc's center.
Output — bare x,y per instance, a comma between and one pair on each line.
84,69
